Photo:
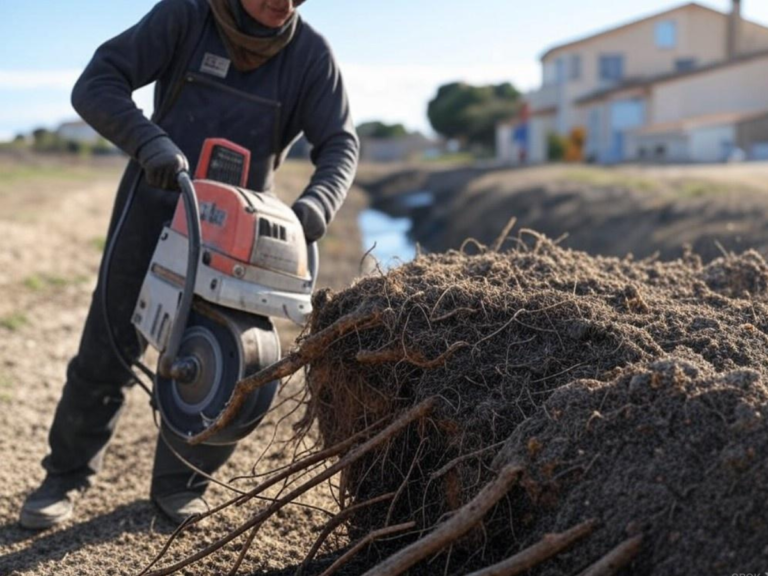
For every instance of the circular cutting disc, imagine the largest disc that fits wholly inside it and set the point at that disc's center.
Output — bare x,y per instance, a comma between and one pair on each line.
225,346
200,344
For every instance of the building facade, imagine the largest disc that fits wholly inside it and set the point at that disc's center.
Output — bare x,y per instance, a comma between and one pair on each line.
681,85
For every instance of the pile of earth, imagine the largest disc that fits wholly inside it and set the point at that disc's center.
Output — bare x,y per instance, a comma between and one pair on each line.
629,392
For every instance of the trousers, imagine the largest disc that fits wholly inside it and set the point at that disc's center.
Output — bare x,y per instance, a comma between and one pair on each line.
96,382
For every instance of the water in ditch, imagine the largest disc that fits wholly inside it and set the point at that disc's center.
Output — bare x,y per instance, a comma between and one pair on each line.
389,236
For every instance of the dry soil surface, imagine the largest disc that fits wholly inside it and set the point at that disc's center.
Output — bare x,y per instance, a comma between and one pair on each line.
53,218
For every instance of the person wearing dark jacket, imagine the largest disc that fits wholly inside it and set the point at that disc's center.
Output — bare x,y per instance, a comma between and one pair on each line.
250,71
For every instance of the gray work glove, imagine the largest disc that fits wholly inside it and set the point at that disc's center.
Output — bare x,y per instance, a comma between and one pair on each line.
312,218
162,162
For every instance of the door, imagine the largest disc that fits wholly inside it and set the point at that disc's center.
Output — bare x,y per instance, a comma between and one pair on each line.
626,115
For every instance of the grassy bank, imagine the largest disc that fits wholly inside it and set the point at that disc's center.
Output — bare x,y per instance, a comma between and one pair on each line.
614,211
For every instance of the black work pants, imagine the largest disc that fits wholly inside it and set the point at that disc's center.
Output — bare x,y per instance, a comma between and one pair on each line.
94,393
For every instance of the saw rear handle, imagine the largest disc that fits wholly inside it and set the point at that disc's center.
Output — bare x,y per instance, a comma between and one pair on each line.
169,367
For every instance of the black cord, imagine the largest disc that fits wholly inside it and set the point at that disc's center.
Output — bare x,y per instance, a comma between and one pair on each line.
104,284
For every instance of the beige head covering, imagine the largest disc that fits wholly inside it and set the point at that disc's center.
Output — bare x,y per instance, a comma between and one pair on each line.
249,52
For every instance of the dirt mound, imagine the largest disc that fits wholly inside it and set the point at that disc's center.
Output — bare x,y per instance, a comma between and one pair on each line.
627,392
673,451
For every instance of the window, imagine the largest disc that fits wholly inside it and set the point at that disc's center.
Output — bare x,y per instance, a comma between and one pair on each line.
685,64
550,73
666,34
611,67
560,70
574,69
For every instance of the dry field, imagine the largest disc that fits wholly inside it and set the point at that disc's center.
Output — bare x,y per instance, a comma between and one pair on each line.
53,218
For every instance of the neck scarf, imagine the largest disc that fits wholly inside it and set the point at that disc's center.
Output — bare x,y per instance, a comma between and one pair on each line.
249,52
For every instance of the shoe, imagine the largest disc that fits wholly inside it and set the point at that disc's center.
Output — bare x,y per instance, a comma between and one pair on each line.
52,503
181,505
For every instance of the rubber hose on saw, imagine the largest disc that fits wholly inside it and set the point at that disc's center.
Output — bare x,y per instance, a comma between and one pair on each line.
104,283
192,212
194,235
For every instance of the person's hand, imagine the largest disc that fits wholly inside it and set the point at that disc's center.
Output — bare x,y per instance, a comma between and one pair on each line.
312,219
162,162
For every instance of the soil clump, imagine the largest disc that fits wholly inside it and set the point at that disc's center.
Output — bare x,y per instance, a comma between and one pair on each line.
628,392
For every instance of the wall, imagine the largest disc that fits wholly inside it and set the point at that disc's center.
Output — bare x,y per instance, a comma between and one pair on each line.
712,144
753,37
738,88
752,137
707,144
675,148
541,126
504,143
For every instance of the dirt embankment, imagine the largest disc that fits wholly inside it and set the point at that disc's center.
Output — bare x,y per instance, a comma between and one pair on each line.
53,218
618,211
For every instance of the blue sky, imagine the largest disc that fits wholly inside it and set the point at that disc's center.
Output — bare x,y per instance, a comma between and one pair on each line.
394,53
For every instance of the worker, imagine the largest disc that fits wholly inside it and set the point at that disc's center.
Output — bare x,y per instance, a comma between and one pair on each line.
250,71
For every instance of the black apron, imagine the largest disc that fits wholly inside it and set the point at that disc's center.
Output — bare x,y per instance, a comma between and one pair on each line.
211,99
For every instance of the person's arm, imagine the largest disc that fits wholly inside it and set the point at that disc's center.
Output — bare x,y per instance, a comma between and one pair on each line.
327,123
135,58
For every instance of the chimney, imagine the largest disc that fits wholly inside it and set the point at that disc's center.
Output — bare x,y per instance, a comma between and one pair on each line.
734,31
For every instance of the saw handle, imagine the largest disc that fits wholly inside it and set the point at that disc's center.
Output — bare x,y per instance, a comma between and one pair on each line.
168,366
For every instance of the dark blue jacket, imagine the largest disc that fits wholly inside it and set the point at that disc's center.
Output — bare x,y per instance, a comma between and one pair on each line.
199,95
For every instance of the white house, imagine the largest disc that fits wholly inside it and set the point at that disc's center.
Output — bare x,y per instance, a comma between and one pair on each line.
686,85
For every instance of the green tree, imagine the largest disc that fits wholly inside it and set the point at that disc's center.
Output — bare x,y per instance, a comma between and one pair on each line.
46,141
471,113
381,130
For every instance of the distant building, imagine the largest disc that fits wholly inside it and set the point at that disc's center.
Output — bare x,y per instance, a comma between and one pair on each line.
685,85
78,131
399,149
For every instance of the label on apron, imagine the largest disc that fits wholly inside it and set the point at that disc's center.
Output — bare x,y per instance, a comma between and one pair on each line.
215,65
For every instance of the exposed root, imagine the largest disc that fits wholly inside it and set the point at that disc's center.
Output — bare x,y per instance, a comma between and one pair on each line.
380,356
456,461
309,350
616,559
370,538
295,468
551,545
414,414
401,354
334,523
459,524
497,245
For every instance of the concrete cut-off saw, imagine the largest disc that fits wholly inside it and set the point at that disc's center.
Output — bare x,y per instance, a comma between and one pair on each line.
230,261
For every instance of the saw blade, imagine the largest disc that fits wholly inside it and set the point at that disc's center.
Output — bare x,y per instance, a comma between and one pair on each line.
226,346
